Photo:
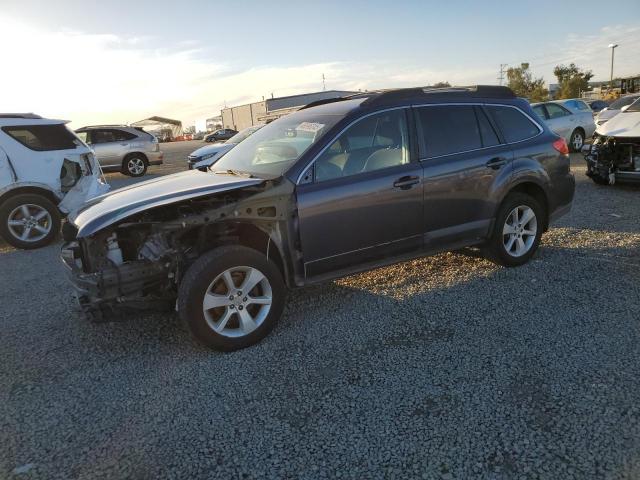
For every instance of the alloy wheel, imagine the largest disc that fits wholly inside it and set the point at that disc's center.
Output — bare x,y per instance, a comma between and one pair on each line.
519,231
578,141
237,302
135,166
29,222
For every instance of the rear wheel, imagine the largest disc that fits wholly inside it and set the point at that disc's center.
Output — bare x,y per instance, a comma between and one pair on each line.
134,166
231,298
577,140
29,221
517,231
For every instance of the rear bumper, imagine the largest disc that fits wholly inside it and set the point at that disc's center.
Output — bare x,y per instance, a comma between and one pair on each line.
565,189
155,158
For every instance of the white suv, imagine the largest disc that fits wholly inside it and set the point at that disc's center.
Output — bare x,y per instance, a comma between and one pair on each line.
45,173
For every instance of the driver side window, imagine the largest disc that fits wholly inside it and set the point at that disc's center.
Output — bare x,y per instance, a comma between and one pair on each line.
373,143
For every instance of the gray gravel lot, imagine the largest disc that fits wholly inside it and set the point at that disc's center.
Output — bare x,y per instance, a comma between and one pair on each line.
444,367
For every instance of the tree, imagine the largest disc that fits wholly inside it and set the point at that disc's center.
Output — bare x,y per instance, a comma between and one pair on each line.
521,81
441,85
572,80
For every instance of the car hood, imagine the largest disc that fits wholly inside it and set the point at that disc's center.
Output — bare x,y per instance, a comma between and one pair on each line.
111,208
216,148
606,114
627,124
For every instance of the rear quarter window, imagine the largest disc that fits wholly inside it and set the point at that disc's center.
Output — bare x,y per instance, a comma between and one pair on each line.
43,137
514,124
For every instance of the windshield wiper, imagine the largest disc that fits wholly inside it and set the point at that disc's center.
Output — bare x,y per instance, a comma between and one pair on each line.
236,173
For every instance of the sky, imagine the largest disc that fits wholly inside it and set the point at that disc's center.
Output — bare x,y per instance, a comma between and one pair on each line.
122,61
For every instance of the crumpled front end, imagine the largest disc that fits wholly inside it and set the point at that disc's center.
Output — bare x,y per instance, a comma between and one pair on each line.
610,159
137,262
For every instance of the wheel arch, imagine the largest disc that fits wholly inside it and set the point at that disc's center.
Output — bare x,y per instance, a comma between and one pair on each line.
263,239
535,190
35,189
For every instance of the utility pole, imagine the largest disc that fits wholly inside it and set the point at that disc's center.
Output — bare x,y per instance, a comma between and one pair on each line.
612,46
324,87
503,66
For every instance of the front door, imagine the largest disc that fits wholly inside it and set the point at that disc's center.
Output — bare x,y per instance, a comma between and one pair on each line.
364,199
462,157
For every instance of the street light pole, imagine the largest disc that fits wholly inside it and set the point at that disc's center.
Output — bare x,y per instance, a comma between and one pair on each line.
612,46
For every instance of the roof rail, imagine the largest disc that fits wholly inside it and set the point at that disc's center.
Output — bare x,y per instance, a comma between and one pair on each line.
103,126
32,116
375,97
477,91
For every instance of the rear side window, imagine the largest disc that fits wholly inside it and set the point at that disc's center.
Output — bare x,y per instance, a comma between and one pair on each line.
515,126
43,137
488,134
447,129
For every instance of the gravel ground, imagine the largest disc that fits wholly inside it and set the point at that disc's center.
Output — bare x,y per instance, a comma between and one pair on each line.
443,367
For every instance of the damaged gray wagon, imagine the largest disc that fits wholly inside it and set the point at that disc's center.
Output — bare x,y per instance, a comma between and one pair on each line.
341,186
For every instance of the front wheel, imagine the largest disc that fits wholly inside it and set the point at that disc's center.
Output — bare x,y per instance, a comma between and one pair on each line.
517,231
29,221
231,298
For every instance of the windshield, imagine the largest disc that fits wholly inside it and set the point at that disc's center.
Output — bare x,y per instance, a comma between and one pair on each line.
240,136
278,145
635,106
623,102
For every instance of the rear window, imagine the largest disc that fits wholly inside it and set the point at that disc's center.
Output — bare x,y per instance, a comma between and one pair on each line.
515,126
446,130
43,137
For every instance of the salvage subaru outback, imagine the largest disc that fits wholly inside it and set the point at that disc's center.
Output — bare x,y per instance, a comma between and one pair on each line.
341,186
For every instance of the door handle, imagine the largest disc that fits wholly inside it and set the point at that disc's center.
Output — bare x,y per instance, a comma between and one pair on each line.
406,182
496,163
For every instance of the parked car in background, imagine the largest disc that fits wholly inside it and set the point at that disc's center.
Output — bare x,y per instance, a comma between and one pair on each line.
615,108
574,122
615,152
597,105
220,135
338,187
209,154
45,172
120,148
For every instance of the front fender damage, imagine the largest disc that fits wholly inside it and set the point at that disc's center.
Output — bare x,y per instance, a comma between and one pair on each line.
138,263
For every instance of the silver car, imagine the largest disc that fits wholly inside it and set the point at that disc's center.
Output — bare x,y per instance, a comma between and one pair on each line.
120,148
571,119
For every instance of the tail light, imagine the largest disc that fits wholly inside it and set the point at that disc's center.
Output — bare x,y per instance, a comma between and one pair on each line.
561,146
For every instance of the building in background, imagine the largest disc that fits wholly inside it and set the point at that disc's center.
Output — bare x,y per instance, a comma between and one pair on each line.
244,116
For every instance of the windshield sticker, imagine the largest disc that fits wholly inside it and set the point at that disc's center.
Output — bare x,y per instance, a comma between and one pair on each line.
310,127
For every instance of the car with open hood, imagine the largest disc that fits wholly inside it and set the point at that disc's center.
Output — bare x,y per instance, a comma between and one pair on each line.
340,186
45,172
614,154
206,156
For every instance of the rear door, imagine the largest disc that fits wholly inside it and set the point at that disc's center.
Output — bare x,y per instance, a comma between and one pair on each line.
560,120
463,158
363,200
103,143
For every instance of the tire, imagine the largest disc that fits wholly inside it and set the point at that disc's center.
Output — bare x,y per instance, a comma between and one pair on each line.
31,213
135,165
223,326
576,142
598,180
501,249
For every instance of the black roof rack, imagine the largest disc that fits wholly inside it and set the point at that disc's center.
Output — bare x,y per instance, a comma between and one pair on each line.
102,126
31,116
376,97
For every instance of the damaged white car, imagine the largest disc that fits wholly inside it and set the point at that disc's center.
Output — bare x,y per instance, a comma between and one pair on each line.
45,173
614,154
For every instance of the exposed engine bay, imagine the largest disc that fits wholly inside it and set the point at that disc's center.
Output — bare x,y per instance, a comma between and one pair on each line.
610,159
138,262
